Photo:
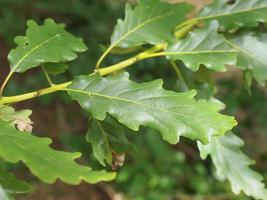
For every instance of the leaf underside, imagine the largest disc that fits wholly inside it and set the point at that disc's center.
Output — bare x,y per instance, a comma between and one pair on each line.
232,164
44,162
253,53
107,137
148,104
55,68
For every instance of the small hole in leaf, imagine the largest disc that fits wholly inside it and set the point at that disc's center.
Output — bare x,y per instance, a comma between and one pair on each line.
231,2
26,43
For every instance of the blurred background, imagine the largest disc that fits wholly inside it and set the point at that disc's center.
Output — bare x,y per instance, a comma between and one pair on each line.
156,170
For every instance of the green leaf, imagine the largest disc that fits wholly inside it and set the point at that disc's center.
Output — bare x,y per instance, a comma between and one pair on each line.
55,68
10,185
253,53
232,164
148,104
20,119
44,162
237,13
203,47
44,43
151,22
106,137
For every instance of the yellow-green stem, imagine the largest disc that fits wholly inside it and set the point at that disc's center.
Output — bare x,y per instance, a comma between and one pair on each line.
130,61
5,83
153,52
49,80
185,28
179,74
182,29
30,95
102,72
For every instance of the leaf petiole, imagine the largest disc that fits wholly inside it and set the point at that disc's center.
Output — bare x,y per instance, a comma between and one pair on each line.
48,78
155,51
5,83
179,75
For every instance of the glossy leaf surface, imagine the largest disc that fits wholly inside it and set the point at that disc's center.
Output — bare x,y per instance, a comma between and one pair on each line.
203,47
148,104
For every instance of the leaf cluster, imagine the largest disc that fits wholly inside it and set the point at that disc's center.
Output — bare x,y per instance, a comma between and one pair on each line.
223,34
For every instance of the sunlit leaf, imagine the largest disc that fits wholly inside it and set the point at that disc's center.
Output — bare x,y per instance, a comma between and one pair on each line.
148,104
44,43
44,162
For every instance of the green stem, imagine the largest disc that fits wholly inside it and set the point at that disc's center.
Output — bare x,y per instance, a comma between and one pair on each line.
130,61
153,52
179,74
5,83
30,95
104,71
100,60
49,80
182,29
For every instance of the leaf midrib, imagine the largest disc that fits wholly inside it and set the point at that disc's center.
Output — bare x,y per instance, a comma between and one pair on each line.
33,154
231,13
34,49
241,49
197,52
133,102
140,26
102,130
